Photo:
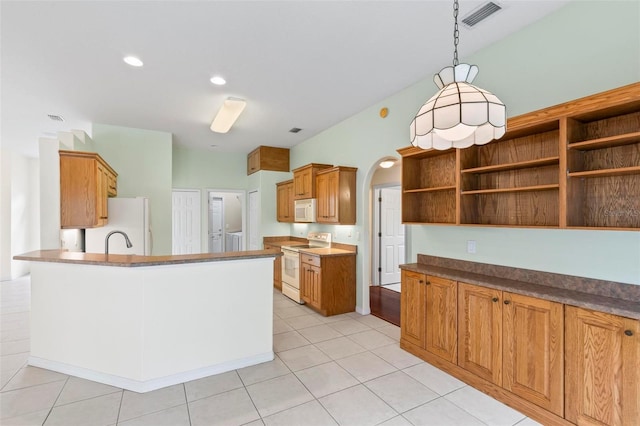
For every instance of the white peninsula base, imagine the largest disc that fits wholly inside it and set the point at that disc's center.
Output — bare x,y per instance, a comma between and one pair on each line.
144,328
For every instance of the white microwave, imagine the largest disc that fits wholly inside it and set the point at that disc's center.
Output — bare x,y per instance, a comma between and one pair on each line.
305,210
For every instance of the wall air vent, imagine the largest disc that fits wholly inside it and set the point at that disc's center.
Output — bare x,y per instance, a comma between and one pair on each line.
480,14
294,130
55,117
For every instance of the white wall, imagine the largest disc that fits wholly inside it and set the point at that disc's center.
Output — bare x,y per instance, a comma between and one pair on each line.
19,212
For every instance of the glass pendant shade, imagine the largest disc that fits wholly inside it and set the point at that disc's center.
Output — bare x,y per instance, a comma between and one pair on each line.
460,114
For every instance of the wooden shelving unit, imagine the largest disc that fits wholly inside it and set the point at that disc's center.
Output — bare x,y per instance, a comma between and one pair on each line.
574,165
429,186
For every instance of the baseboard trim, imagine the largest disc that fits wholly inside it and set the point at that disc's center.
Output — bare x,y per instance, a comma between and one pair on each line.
142,386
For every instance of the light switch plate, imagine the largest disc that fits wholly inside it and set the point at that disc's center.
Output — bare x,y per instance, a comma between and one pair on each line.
471,246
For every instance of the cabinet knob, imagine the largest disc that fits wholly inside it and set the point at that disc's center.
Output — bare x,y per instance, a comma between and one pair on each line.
506,302
628,332
495,299
421,281
428,282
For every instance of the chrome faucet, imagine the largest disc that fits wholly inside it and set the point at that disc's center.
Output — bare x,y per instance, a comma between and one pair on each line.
106,240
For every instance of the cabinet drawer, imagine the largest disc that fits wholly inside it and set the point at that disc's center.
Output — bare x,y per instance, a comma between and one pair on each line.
310,259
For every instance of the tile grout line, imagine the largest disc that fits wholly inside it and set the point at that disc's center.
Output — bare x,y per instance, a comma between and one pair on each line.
184,388
56,400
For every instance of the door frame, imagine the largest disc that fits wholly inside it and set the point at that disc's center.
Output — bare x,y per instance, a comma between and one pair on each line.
376,251
242,194
199,211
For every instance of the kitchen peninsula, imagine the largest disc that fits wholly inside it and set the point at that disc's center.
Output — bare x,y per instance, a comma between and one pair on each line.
145,322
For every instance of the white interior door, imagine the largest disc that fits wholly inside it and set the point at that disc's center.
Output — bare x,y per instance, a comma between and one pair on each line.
253,221
216,221
185,222
391,235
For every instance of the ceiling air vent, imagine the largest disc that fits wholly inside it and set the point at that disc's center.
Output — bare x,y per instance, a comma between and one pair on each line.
294,130
55,117
481,13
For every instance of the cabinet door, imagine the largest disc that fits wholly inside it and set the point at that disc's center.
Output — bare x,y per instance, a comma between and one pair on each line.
112,187
534,350
602,376
441,317
311,285
253,161
277,268
328,185
480,331
284,203
412,308
302,184
102,179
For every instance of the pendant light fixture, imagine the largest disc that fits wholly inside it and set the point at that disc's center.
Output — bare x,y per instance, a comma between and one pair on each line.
460,114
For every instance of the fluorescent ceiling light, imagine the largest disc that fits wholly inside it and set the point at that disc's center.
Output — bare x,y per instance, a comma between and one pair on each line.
228,114
133,61
218,81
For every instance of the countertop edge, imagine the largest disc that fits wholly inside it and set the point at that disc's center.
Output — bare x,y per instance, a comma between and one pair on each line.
117,260
626,308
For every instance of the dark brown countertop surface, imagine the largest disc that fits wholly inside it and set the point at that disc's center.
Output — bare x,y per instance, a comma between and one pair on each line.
62,256
575,297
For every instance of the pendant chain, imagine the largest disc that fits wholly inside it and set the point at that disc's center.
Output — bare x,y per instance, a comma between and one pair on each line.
456,33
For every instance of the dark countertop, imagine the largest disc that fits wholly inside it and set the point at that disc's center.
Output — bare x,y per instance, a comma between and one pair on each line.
613,305
123,260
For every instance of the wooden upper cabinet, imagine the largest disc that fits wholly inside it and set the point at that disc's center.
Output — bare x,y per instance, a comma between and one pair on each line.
336,191
441,317
268,158
602,376
86,180
480,331
304,180
284,197
533,342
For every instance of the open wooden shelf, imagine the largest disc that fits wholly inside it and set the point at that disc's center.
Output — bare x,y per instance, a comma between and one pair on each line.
608,142
517,189
438,188
513,166
607,172
572,166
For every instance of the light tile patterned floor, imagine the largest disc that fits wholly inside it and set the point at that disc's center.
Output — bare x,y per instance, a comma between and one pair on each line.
342,370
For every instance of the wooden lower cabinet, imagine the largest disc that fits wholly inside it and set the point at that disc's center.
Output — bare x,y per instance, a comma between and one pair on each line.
480,331
277,267
328,283
533,350
412,308
602,368
507,345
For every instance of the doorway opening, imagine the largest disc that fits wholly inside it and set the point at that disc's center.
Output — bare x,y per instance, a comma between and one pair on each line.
225,221
387,243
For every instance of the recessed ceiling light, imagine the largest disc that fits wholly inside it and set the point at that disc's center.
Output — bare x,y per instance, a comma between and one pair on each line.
218,81
133,61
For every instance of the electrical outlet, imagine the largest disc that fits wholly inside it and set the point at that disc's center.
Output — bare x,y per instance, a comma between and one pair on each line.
357,235
471,246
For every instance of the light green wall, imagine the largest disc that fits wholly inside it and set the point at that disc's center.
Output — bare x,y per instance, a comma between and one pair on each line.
143,161
265,183
585,47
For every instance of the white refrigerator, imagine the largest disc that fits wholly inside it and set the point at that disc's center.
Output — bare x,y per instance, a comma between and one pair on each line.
129,215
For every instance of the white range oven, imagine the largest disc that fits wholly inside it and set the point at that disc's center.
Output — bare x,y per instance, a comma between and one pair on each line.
291,263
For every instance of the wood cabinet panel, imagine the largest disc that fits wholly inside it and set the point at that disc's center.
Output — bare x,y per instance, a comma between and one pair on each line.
277,267
328,283
602,376
412,308
86,181
441,318
284,201
336,191
268,158
480,331
533,366
304,180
